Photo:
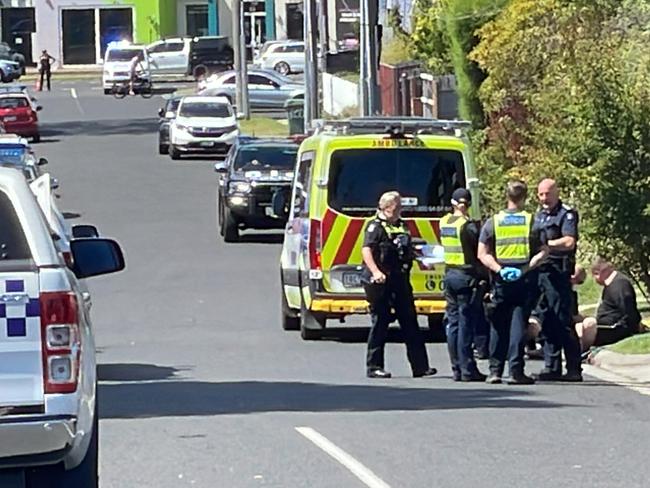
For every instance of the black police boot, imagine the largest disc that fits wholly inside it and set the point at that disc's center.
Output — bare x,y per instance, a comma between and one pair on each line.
572,377
378,373
520,379
548,375
475,376
494,379
426,372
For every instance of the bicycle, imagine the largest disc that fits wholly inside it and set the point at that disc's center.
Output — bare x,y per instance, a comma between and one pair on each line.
142,87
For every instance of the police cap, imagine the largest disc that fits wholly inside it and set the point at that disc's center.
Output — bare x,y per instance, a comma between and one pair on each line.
461,195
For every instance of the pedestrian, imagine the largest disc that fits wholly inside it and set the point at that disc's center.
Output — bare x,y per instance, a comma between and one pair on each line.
617,316
557,224
509,248
388,257
459,237
45,69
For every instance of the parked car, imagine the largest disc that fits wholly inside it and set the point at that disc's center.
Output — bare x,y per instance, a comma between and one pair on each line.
202,125
252,174
166,114
209,54
284,57
47,350
9,71
19,115
266,88
117,63
170,56
10,54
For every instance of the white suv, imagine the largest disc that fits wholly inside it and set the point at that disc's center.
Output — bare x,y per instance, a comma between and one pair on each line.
48,408
117,64
202,125
170,56
282,56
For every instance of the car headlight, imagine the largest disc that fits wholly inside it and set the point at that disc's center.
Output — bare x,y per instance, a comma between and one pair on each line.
239,187
182,127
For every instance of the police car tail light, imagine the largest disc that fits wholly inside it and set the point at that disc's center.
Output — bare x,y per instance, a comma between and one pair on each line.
61,341
315,245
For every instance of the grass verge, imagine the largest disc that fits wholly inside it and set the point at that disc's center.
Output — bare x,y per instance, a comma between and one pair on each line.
638,344
263,126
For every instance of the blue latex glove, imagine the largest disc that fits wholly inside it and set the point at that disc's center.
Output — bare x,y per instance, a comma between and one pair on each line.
510,274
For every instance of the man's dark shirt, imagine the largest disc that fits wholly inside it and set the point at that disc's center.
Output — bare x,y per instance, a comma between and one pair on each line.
560,221
375,237
618,304
469,235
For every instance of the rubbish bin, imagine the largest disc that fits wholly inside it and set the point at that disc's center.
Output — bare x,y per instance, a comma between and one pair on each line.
295,115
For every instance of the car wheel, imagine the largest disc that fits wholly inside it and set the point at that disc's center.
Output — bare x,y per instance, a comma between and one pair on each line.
312,324
163,149
282,68
437,328
174,153
87,473
290,318
220,211
231,227
36,138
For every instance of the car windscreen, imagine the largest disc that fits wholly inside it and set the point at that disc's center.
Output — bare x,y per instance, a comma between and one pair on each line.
265,157
13,102
205,109
122,55
425,178
12,238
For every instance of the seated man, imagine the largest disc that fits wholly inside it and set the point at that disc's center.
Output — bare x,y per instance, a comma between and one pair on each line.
617,316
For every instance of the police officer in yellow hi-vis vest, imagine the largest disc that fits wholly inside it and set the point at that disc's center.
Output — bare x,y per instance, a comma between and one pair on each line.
459,237
388,257
508,248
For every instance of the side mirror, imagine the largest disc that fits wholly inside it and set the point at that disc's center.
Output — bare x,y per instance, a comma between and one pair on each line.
42,161
161,112
221,167
279,204
54,183
39,108
84,231
94,257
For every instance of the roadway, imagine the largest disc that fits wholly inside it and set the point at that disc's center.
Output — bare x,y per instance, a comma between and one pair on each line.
199,386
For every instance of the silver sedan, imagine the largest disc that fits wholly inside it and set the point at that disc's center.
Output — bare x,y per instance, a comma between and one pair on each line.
266,88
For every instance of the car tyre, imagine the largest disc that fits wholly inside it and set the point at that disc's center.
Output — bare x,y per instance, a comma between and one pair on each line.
312,324
290,318
220,216
174,153
36,138
230,227
87,473
437,328
107,91
282,68
163,149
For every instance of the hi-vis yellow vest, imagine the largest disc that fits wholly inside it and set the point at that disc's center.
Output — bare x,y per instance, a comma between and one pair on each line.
512,237
450,240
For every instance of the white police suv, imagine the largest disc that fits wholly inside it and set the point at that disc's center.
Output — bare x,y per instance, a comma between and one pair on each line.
48,410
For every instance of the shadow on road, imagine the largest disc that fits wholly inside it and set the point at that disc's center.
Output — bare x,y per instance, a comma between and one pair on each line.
187,398
135,372
261,238
355,334
101,127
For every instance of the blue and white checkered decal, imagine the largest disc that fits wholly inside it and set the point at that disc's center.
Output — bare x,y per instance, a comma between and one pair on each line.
19,308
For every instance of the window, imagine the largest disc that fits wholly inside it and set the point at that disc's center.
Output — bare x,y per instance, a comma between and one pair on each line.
297,48
197,20
12,238
428,177
123,55
265,157
157,48
261,80
174,47
13,102
205,109
229,81
172,105
300,197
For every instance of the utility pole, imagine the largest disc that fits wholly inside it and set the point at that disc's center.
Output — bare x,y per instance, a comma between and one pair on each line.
323,35
241,64
311,62
369,25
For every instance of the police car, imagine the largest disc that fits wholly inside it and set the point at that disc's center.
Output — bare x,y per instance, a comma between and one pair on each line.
340,173
48,409
117,64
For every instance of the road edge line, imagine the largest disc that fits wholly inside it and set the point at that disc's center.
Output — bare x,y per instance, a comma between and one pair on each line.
615,378
370,479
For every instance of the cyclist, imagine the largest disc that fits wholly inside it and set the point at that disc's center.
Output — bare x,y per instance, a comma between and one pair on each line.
135,68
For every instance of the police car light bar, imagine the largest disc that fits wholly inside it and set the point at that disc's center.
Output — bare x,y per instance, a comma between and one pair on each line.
391,125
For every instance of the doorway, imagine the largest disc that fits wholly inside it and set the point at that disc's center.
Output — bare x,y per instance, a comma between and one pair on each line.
295,21
17,27
254,26
115,24
79,45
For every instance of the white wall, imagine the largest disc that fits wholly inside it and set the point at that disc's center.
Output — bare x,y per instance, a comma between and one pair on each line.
338,94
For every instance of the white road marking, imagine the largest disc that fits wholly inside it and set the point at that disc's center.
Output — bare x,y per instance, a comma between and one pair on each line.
617,379
370,479
73,92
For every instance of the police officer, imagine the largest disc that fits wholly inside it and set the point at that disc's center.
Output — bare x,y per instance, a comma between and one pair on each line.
506,245
558,226
459,237
388,256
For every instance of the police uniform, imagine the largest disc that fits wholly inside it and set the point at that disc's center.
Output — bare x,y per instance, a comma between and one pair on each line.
510,237
459,237
391,248
557,295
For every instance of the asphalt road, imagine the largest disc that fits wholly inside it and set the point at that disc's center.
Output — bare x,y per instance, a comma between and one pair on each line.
199,386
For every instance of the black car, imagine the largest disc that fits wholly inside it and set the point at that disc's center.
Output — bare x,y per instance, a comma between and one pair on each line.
255,172
210,54
166,114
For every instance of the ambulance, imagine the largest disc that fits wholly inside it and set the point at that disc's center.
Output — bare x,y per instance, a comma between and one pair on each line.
341,171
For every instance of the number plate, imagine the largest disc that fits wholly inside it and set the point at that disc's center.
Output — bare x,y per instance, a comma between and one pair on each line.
207,144
11,118
351,280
